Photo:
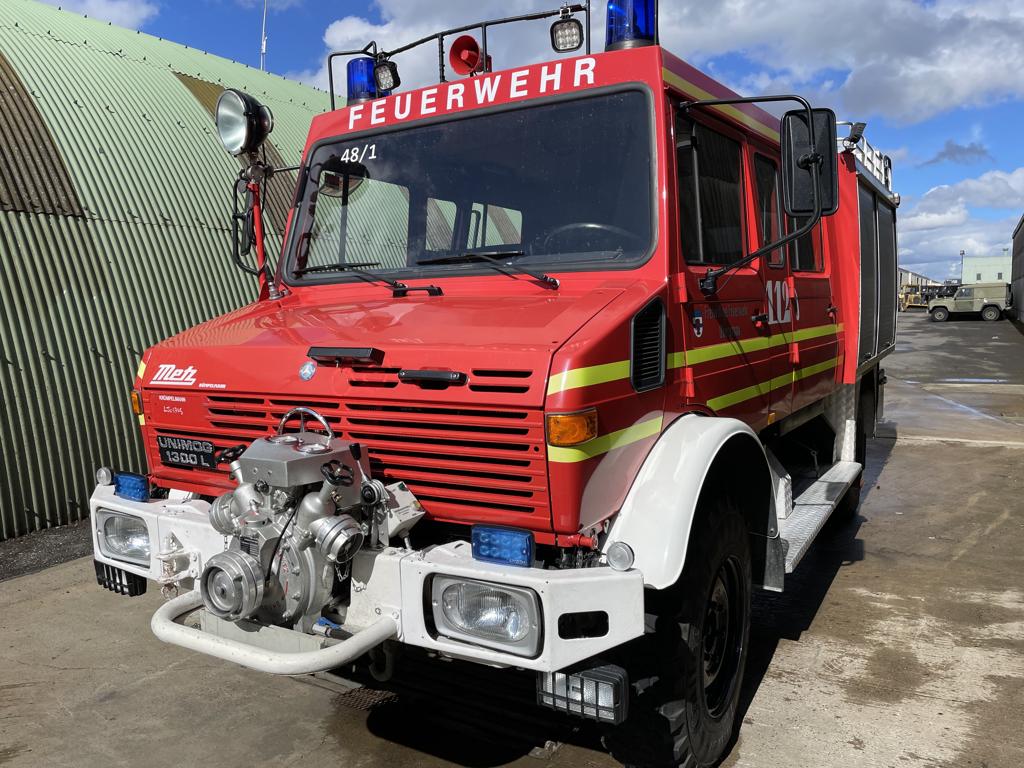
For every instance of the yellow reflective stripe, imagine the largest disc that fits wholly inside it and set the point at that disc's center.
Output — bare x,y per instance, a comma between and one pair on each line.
142,369
142,420
588,377
745,346
619,371
734,112
605,443
763,388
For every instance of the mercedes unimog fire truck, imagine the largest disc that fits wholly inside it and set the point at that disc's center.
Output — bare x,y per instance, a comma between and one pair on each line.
557,365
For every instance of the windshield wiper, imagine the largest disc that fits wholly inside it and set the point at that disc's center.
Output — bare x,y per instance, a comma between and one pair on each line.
400,290
497,263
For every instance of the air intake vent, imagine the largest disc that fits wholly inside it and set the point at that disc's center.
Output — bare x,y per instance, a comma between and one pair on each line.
647,359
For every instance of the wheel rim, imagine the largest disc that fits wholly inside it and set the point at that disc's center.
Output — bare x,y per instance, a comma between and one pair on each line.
722,637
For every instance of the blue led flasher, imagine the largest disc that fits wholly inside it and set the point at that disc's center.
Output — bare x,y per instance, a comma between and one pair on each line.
632,23
507,546
362,86
130,486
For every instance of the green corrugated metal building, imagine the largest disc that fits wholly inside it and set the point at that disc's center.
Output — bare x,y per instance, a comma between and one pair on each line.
114,233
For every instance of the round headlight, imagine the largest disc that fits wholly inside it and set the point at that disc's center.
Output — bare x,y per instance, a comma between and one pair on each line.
243,124
126,537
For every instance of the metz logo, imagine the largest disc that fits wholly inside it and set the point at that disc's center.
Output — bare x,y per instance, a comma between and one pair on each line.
172,376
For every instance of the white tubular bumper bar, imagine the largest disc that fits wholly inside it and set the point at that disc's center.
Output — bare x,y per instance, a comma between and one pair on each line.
166,628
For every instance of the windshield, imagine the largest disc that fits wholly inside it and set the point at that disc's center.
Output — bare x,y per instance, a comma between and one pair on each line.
565,186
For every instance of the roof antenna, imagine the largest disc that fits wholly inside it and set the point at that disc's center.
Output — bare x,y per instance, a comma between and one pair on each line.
263,39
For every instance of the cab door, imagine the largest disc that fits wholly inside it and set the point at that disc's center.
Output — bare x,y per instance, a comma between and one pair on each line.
778,311
727,365
814,342
964,300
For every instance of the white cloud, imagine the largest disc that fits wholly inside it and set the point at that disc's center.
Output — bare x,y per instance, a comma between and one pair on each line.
132,14
941,224
902,58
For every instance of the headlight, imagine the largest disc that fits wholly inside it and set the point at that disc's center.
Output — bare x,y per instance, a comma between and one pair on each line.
242,122
491,615
123,537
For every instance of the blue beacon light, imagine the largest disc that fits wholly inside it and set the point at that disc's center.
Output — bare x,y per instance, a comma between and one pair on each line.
632,24
362,86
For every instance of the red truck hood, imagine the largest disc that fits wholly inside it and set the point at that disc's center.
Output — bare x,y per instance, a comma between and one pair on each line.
503,345
472,452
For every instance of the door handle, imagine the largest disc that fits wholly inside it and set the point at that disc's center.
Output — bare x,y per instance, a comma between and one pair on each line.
759,321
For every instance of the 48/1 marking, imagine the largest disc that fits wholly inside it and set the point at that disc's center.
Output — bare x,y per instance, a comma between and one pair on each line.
359,154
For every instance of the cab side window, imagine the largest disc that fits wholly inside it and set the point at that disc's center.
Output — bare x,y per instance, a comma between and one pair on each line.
769,215
710,194
805,253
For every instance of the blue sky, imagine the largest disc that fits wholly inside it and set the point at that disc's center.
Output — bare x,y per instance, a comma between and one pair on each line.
937,81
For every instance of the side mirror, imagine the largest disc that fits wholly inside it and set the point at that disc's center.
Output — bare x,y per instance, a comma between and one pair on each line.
797,166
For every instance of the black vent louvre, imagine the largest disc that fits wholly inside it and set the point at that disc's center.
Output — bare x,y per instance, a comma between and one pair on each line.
647,358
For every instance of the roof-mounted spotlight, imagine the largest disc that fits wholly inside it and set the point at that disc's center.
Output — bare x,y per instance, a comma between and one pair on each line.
385,73
631,24
856,134
243,124
566,33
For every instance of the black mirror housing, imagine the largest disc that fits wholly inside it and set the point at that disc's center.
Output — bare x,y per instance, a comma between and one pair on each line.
797,168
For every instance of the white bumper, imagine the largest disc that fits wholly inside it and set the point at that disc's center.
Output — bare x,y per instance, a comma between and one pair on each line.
391,594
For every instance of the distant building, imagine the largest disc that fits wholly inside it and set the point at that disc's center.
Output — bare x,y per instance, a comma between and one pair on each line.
986,269
906,277
115,206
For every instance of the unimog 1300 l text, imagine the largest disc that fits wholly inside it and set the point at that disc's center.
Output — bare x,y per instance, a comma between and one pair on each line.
557,365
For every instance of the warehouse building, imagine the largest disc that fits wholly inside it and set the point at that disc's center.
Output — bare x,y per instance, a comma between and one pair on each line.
114,233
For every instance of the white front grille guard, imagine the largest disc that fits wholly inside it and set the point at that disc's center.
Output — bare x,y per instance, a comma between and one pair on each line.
166,627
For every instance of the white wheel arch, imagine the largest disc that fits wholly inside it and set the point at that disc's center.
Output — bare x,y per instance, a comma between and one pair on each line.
657,515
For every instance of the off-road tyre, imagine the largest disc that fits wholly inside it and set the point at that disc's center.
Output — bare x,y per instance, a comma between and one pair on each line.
940,315
687,671
991,314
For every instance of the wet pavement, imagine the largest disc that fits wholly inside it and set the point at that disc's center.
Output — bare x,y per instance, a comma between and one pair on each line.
899,641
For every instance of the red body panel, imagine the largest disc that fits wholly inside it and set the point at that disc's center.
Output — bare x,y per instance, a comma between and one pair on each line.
477,453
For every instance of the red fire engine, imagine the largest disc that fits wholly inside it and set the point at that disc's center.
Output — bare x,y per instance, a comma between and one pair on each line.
557,365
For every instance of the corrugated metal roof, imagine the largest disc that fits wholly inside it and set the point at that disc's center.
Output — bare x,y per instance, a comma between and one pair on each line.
147,256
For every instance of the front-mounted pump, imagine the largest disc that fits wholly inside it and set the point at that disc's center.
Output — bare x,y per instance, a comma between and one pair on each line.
291,542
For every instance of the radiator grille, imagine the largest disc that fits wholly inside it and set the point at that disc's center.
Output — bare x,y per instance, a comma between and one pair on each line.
456,459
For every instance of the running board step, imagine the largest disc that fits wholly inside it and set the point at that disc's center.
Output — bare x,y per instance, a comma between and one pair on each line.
812,508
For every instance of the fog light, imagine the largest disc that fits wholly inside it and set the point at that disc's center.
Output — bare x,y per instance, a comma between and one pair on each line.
620,556
596,694
491,615
123,537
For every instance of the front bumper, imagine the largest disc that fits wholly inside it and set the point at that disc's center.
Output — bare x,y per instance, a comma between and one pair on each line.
390,598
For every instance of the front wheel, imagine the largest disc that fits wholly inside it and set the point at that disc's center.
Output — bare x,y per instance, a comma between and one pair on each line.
991,314
940,315
688,670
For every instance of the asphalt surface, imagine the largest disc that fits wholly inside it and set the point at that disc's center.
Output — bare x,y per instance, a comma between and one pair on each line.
899,641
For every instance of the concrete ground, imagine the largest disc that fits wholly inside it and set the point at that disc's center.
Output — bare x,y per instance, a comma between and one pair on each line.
899,642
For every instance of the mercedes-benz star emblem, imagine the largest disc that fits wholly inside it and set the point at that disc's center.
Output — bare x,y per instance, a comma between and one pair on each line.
307,371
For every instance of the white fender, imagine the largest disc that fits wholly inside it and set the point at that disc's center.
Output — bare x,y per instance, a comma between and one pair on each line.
656,518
